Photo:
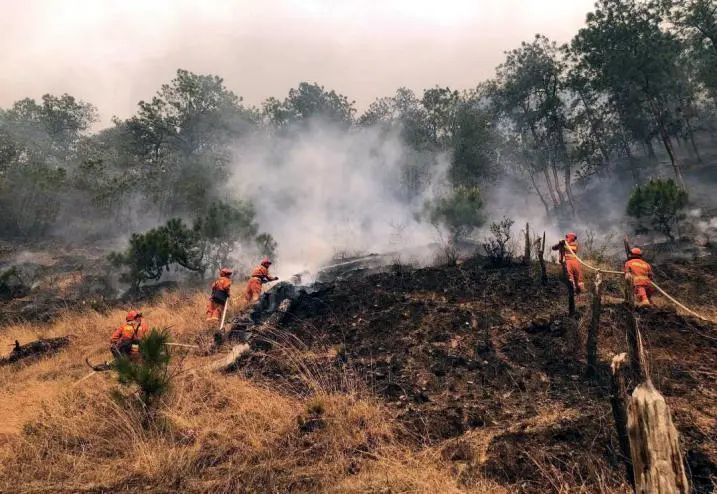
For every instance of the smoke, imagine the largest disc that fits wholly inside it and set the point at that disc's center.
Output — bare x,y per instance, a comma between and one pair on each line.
323,191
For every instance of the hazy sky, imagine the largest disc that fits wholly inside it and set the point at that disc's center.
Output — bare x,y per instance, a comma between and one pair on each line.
113,53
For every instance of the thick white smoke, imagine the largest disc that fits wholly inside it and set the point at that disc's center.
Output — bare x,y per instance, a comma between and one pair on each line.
324,191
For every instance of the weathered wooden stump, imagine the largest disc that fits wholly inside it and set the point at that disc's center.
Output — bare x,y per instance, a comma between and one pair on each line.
541,260
618,403
654,444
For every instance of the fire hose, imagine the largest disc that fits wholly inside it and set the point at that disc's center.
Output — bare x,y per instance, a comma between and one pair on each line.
657,287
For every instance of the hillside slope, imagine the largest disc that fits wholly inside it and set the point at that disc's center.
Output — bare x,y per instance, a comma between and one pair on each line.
448,379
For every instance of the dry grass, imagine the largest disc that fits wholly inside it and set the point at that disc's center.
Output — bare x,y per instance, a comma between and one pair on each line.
212,433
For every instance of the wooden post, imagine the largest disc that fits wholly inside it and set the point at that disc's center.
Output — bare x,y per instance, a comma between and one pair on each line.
654,444
636,351
618,402
629,292
571,290
541,260
592,340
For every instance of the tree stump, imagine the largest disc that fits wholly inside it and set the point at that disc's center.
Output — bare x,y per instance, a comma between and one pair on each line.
618,403
654,444
592,340
629,292
541,259
638,360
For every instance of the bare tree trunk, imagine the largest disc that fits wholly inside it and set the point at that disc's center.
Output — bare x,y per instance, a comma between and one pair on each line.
594,126
569,188
592,340
557,183
650,149
618,402
673,158
631,161
691,135
551,191
526,253
540,194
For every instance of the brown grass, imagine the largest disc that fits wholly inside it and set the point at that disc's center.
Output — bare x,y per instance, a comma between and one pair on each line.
212,433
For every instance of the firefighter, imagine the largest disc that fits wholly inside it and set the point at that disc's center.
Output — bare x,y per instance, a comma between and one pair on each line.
125,340
220,295
641,273
259,276
572,265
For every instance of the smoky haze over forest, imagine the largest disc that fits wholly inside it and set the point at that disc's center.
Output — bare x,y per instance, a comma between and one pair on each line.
114,54
415,123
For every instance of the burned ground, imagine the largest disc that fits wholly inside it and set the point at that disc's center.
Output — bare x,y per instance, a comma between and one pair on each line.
471,350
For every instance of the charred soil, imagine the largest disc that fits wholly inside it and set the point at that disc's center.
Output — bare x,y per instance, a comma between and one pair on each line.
484,364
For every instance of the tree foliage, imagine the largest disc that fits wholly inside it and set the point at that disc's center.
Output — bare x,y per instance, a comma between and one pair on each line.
207,245
459,212
658,205
150,371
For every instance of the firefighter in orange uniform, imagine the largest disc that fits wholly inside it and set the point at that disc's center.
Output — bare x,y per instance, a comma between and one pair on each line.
125,340
259,276
641,273
220,295
567,256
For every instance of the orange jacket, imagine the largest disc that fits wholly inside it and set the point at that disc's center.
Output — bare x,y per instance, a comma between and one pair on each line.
564,252
223,284
130,331
262,273
640,270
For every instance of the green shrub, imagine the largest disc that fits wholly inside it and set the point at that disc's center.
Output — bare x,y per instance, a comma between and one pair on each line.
658,206
150,372
460,211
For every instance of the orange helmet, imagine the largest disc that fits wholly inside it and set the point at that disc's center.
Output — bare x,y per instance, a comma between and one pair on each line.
636,251
266,262
133,315
571,237
225,272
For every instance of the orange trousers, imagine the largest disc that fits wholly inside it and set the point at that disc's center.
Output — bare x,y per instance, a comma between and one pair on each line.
214,310
643,294
253,289
575,274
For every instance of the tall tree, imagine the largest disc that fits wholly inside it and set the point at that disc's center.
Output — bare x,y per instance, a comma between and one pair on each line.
628,54
308,101
528,92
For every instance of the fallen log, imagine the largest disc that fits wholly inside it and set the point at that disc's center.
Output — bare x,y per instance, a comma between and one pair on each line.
34,349
230,362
